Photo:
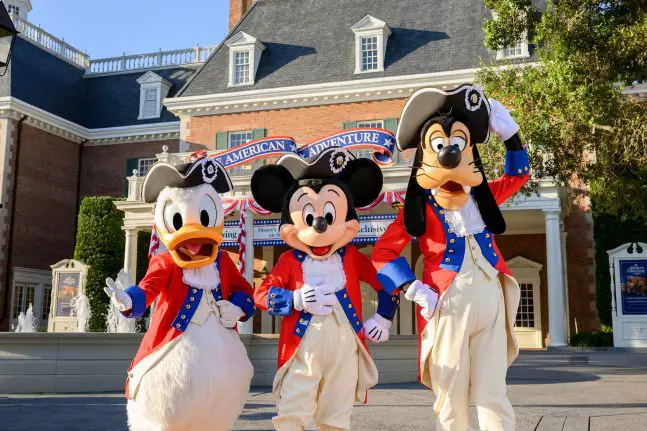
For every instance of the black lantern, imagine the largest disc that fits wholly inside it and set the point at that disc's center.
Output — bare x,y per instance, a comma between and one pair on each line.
8,34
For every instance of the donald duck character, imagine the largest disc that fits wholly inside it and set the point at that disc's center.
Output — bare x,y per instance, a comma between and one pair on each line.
467,298
191,372
324,365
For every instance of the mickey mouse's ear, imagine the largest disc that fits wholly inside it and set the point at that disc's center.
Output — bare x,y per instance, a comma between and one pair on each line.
269,184
364,179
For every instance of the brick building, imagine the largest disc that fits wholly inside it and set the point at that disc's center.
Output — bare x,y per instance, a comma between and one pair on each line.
301,68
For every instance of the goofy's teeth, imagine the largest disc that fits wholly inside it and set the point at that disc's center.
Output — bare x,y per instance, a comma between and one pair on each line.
467,189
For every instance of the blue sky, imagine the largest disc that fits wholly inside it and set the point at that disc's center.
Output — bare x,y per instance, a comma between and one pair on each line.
108,28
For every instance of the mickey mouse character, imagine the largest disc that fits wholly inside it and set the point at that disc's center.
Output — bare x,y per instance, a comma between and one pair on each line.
191,372
324,364
467,342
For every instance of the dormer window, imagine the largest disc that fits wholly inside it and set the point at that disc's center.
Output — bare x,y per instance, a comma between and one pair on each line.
244,57
153,89
371,37
241,68
518,50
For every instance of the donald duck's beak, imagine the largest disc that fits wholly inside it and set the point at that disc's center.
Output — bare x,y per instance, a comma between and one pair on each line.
194,245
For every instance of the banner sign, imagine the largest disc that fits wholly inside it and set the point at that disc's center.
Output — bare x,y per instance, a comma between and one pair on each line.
266,232
381,141
633,286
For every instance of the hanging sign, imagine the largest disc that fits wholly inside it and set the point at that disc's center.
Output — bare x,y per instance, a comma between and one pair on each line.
266,232
381,141
633,287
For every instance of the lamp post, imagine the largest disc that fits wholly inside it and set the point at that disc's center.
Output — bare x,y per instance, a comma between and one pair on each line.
8,34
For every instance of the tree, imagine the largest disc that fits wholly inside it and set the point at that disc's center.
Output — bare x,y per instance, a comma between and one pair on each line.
569,101
100,244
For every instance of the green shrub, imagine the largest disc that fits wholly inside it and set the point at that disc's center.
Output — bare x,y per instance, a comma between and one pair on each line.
601,338
100,244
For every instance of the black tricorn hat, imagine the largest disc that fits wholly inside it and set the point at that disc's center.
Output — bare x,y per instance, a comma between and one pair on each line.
202,171
363,177
467,102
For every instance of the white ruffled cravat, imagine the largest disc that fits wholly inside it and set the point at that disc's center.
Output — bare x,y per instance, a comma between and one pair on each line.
206,277
324,272
466,220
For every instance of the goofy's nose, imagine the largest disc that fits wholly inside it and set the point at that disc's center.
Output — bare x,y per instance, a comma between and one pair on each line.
320,225
449,157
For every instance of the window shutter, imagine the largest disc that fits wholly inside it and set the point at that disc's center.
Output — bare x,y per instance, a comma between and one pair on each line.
391,124
350,125
258,134
221,141
130,165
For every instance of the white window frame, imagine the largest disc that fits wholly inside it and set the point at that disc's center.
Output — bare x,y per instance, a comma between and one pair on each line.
370,26
239,132
41,280
153,82
377,124
242,42
143,160
522,43
525,271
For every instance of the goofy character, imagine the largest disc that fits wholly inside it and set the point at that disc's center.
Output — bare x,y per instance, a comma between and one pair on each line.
191,372
324,364
466,336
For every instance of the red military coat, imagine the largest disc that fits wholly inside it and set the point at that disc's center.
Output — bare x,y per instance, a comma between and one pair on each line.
275,296
443,251
164,280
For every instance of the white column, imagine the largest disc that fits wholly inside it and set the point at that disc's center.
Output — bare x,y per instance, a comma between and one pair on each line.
130,255
266,319
556,293
248,326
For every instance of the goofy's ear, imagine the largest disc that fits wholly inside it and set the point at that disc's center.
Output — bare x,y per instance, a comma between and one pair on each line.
269,185
364,180
415,203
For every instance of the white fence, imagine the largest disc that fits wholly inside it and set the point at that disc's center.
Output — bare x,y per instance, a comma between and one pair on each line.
51,43
178,57
59,47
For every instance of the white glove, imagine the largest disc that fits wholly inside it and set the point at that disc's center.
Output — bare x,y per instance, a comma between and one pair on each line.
501,122
424,296
120,298
230,314
317,300
376,329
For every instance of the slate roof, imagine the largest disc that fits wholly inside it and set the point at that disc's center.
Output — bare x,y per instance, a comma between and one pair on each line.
310,41
39,78
113,100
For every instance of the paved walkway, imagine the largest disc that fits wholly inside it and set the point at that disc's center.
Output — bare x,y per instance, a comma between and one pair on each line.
562,392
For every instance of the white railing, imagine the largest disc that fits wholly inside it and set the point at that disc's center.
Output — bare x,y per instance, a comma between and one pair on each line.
53,44
177,57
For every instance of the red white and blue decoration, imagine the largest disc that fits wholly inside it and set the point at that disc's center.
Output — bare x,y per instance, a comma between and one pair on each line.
381,141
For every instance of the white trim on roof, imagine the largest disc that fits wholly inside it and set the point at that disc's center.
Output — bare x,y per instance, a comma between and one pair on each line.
393,87
11,107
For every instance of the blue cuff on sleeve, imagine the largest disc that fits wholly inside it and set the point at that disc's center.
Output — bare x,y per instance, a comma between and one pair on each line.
387,304
516,163
279,301
139,302
245,302
394,274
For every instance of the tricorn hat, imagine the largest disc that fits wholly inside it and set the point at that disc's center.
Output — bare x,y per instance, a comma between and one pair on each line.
467,102
205,170
362,176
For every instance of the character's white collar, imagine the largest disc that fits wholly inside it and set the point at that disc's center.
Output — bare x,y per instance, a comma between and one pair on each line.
324,272
206,277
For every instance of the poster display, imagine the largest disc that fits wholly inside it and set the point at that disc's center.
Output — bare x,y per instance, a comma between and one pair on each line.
633,287
67,289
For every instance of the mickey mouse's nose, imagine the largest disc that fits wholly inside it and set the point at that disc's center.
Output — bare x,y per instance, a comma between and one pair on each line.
320,225
449,157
